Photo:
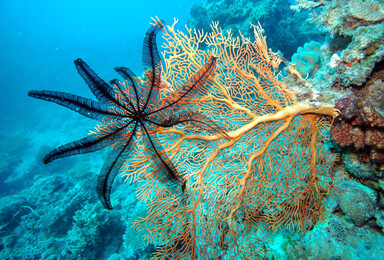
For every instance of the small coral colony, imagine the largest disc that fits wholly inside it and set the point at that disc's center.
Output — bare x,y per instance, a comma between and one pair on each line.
222,150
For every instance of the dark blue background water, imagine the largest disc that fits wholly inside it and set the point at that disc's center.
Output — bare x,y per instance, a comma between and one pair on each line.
40,39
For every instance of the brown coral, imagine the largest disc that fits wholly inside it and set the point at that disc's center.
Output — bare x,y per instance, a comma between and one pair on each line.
344,134
362,121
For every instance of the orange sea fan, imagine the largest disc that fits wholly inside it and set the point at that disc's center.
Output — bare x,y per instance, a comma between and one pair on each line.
271,169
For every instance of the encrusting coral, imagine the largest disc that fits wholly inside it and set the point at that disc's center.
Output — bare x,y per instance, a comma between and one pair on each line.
353,67
360,25
270,170
362,120
344,16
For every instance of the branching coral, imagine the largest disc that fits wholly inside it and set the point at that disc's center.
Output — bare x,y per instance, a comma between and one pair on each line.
269,170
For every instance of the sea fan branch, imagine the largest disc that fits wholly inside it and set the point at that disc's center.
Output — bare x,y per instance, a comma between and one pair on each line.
182,96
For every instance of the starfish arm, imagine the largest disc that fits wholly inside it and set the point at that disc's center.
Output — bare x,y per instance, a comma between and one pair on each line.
181,97
86,145
152,62
124,98
102,91
131,78
111,168
87,107
164,165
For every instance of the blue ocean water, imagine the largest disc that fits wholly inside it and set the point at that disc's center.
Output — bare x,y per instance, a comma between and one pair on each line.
40,40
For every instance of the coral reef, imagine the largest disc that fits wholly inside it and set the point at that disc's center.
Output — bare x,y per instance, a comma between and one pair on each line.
270,170
342,17
356,204
336,238
55,219
286,29
362,120
308,59
357,37
246,193
351,73
133,240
